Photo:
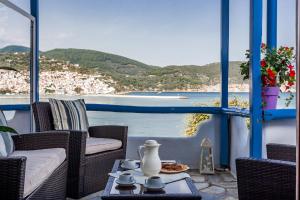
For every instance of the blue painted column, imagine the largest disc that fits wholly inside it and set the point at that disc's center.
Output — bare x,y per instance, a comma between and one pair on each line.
34,76
272,23
255,78
224,80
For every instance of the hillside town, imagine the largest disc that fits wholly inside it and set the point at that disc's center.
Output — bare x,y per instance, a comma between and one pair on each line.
59,76
54,82
74,83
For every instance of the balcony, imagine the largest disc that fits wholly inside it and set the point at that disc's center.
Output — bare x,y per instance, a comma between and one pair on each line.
179,106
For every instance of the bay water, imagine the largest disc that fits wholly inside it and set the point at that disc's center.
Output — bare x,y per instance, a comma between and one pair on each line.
143,124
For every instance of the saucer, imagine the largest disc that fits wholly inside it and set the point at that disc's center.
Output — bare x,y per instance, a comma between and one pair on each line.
136,166
152,188
125,184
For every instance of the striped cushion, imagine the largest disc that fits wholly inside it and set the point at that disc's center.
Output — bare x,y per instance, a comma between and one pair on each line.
69,115
2,119
6,144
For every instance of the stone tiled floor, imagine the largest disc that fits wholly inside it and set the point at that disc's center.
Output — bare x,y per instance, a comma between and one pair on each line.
220,186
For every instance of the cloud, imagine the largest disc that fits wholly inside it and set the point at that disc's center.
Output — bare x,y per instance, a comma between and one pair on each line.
14,29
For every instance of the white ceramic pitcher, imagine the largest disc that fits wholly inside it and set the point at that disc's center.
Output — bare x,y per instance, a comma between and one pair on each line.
150,161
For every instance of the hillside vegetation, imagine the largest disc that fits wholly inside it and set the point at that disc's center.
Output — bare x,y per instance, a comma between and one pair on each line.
132,75
14,48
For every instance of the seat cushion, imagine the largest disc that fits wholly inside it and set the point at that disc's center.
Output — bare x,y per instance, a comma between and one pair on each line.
69,115
97,145
40,164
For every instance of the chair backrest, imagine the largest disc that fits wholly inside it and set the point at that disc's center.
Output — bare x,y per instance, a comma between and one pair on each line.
281,152
43,116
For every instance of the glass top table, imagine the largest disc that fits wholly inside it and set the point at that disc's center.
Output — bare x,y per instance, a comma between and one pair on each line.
182,189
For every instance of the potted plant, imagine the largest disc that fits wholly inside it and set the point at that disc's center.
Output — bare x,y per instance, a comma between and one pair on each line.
277,74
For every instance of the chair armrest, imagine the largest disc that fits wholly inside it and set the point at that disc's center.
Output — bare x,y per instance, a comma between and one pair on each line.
42,140
77,145
281,152
265,179
115,132
12,177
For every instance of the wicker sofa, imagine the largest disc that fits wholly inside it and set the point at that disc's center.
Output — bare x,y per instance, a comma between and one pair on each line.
17,172
87,173
273,178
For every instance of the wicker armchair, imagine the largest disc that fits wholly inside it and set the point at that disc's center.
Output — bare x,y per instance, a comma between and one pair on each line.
273,178
87,173
12,169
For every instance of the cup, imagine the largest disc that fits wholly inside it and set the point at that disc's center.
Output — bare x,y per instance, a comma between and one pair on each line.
154,181
126,178
129,164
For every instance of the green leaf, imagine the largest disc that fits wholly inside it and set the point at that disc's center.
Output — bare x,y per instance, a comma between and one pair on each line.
7,129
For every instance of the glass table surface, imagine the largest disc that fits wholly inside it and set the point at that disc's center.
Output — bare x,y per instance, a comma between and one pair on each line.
181,189
178,187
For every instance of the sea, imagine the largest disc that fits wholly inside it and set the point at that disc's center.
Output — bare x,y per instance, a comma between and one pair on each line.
140,124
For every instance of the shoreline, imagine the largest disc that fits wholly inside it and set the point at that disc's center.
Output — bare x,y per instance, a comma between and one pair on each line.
125,94
117,95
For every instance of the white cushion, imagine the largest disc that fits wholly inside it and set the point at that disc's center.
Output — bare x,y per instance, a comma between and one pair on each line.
40,164
97,145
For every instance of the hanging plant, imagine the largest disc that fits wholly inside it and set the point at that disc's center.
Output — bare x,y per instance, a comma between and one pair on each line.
277,73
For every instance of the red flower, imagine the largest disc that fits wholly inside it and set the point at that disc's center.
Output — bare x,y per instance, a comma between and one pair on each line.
292,73
271,77
272,82
263,45
264,80
287,87
271,73
290,84
263,63
287,49
291,67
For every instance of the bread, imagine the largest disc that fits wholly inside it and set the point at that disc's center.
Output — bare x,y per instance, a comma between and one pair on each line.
173,166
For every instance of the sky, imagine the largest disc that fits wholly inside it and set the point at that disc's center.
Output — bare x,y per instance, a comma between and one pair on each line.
156,32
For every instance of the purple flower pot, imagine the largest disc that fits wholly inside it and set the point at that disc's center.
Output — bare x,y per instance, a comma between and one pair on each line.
269,97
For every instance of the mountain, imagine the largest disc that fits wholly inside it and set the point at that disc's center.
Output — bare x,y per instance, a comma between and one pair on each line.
135,75
102,61
14,48
132,75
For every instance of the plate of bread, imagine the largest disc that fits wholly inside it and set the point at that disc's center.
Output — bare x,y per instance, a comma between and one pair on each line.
173,168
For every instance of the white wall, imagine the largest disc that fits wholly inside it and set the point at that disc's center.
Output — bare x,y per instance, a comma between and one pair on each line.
277,131
19,120
184,149
240,140
281,131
